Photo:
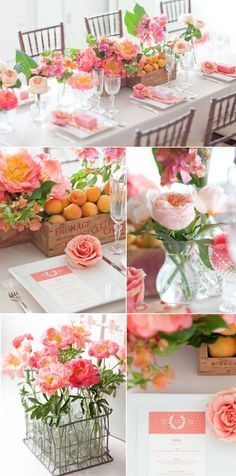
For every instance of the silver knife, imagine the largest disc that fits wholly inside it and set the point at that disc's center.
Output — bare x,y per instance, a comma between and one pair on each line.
115,266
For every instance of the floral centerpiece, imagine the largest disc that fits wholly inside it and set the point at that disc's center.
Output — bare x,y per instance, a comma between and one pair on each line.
8,100
151,336
64,386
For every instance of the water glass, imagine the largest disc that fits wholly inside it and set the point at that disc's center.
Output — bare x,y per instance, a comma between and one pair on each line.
118,208
112,87
98,76
186,63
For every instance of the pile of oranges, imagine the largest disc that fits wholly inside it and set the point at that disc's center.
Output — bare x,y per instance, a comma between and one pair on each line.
78,203
148,64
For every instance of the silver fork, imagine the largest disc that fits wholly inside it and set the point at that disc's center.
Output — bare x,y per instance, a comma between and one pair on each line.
13,294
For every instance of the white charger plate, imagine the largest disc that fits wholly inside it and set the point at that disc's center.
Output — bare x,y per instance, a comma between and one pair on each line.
103,284
81,133
220,455
219,76
159,105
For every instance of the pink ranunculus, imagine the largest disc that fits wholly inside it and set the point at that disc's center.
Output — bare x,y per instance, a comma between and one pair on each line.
114,155
9,78
51,170
219,254
103,349
148,325
181,47
83,373
19,171
135,287
222,415
59,339
23,343
83,251
38,85
14,363
53,377
126,49
210,200
8,100
174,211
43,358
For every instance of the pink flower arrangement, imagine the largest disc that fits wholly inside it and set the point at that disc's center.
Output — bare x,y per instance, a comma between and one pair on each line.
83,251
114,155
135,288
148,325
87,60
81,81
57,369
51,66
126,49
222,415
151,30
8,100
103,349
87,155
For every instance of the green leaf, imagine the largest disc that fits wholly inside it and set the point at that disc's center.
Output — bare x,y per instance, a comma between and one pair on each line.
210,323
24,64
131,21
203,247
139,10
43,191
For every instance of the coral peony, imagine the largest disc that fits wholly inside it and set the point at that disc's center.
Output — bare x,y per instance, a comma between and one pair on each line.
103,349
210,200
19,171
83,251
14,364
81,81
60,339
135,287
8,100
222,415
148,325
43,358
53,377
174,211
23,343
87,60
79,333
83,373
126,49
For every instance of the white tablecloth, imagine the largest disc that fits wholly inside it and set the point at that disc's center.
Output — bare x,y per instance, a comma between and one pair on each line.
27,253
28,133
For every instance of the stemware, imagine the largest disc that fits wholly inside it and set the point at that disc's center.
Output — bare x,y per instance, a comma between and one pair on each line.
98,76
118,207
186,63
170,64
112,87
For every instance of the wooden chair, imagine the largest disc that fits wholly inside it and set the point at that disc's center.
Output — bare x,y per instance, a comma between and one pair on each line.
35,42
173,9
174,133
222,114
105,24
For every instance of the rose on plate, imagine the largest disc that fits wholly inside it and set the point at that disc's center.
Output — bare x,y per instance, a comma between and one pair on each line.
83,251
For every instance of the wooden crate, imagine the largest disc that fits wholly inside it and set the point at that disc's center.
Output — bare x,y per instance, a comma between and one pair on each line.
215,365
159,76
14,237
52,239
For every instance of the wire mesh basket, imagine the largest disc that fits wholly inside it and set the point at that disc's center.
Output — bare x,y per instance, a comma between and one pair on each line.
72,446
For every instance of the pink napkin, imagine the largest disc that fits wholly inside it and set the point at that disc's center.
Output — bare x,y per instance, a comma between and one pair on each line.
209,67
156,93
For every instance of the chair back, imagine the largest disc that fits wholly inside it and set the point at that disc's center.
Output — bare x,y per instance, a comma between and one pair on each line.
35,42
173,9
174,133
105,24
222,114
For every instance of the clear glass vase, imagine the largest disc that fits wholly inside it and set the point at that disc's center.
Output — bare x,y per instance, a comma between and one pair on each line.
64,97
209,282
38,109
6,120
177,280
76,444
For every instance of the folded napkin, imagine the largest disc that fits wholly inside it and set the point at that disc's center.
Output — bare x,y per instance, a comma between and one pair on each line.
210,67
156,93
162,93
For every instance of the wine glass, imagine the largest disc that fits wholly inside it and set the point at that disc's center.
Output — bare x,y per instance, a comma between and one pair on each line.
170,64
112,87
118,208
186,63
98,76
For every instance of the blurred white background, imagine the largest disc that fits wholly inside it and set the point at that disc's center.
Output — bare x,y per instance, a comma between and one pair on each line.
29,14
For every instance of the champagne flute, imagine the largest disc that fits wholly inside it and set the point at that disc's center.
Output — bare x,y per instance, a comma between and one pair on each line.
186,63
112,87
98,76
170,64
118,208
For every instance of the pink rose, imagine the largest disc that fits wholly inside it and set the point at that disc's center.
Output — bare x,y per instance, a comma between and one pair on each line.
19,171
38,85
208,67
210,200
83,373
103,349
181,47
174,211
135,287
222,415
148,325
9,78
83,251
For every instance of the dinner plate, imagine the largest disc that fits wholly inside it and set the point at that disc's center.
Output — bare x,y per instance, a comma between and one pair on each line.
60,288
159,105
220,77
104,124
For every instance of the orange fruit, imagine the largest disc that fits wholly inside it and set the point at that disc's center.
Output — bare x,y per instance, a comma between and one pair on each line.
155,66
72,212
148,68
104,204
154,58
53,206
65,202
161,63
93,194
55,219
148,60
106,188
78,196
162,55
89,209
223,347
